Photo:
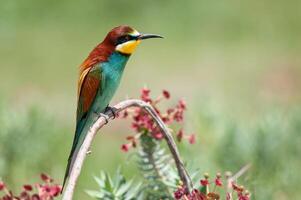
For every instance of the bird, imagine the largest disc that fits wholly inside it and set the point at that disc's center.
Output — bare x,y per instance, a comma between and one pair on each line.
99,78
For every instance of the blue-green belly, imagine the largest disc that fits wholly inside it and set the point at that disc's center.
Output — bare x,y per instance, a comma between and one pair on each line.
111,76
111,72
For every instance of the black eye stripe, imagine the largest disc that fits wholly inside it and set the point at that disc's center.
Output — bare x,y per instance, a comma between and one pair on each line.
125,38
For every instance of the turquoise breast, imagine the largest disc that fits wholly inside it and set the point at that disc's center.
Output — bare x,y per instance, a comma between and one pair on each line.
111,72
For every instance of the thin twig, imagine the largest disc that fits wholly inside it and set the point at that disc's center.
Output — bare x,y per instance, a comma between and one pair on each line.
75,171
234,177
243,170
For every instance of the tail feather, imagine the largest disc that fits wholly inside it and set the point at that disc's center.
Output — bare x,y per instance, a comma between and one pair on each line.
71,158
74,151
66,174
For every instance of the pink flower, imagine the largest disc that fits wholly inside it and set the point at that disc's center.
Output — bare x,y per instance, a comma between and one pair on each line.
195,194
166,94
45,191
144,123
46,188
145,95
157,135
24,196
166,119
204,182
2,185
145,91
7,197
135,126
191,139
27,187
178,116
236,187
55,190
46,178
126,147
130,137
182,104
35,197
178,194
218,182
180,135
170,110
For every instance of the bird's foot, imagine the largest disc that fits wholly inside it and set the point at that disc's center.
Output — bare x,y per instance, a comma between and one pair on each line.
113,111
107,117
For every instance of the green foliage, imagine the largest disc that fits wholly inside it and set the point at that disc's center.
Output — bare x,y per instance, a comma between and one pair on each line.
159,178
271,143
23,135
155,167
117,188
272,146
229,51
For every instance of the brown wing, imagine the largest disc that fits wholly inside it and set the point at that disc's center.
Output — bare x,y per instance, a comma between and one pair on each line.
88,86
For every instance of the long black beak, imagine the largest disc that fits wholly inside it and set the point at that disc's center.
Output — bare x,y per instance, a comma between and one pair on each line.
147,36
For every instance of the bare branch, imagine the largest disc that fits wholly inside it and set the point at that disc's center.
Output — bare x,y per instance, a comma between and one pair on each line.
75,171
243,170
230,180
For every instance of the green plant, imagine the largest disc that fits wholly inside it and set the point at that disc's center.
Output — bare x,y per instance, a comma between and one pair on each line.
116,188
154,165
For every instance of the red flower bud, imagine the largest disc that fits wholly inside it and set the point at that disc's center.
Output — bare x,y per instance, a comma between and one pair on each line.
182,104
218,182
27,187
178,115
130,137
125,147
204,182
191,139
134,144
145,91
24,195
2,185
166,94
180,135
237,188
55,190
35,197
157,135
145,95
170,110
46,178
178,194
165,119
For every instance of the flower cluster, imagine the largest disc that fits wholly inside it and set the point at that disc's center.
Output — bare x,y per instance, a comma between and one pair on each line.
45,191
144,123
204,193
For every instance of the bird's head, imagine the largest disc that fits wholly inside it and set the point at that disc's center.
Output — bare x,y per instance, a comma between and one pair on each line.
125,39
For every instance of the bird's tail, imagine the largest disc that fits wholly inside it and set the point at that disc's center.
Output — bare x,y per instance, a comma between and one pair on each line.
67,172
74,151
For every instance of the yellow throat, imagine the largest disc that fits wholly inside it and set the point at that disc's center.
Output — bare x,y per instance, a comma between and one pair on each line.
129,46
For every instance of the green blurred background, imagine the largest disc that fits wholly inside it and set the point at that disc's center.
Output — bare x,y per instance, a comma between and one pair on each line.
236,63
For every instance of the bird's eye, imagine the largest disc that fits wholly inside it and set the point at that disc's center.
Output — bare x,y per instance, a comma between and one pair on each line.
127,37
123,39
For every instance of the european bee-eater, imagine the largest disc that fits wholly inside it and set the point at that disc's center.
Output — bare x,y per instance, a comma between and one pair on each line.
99,77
